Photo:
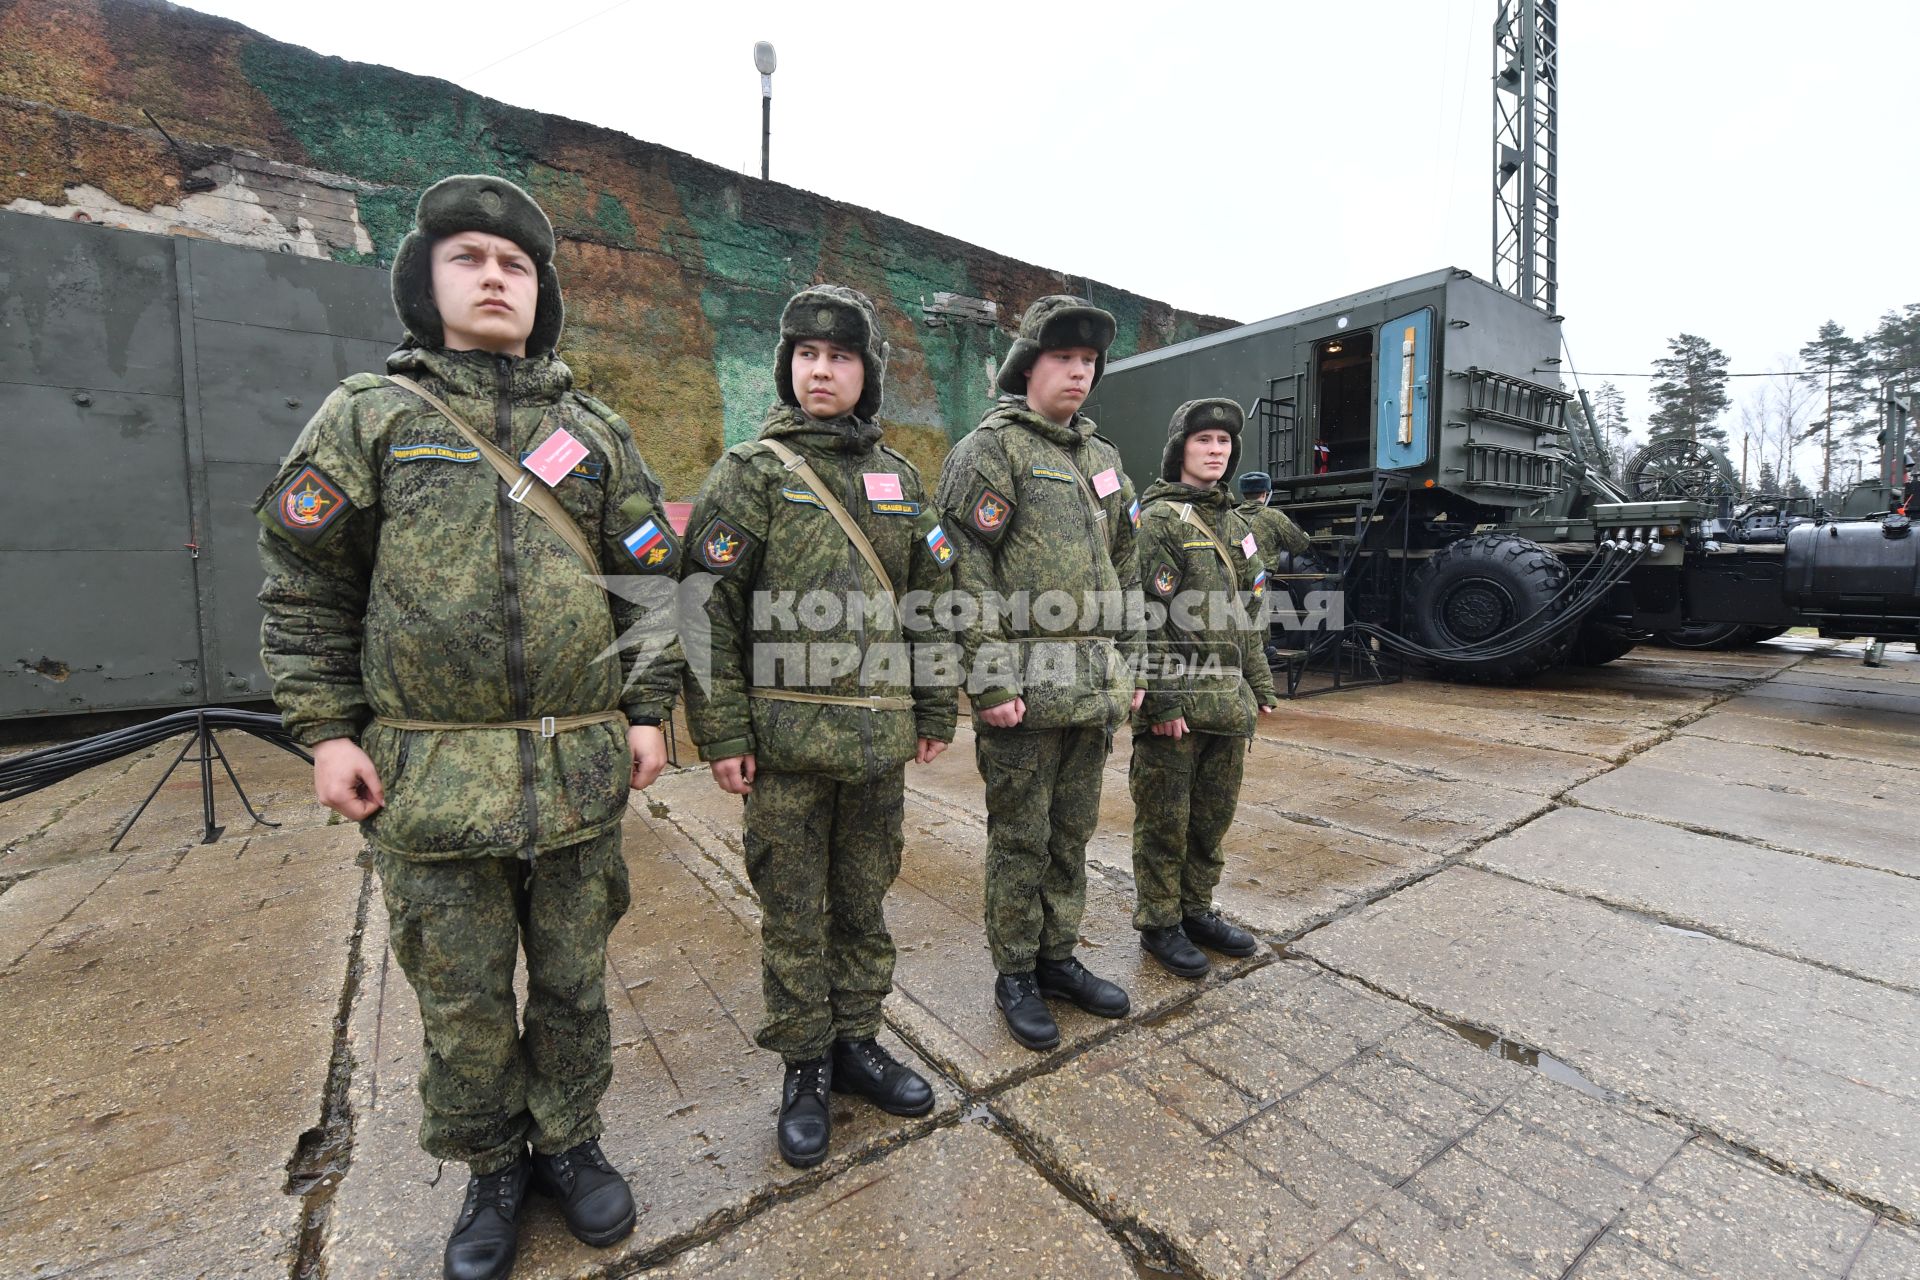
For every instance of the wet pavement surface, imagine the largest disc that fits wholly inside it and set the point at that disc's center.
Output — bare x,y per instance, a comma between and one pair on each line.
1617,975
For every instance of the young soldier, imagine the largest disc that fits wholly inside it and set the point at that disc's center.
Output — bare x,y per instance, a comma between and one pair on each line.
1039,512
1205,682
1272,530
436,641
814,727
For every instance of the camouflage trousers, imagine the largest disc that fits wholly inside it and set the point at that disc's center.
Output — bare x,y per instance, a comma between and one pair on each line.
495,1079
1184,796
1043,803
821,855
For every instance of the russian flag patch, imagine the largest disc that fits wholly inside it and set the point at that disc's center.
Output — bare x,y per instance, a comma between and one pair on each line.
1133,513
938,544
649,545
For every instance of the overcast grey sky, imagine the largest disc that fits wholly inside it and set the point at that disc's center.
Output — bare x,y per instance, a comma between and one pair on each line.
1739,169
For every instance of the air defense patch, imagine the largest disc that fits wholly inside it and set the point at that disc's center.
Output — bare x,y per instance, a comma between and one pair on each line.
990,512
651,546
306,506
1165,580
938,544
721,546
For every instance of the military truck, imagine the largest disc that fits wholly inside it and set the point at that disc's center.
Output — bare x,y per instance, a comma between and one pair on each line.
1420,432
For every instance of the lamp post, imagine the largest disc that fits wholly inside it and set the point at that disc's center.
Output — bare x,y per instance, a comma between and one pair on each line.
764,62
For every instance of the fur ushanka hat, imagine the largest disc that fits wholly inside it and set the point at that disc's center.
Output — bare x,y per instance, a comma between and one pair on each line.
475,202
1217,413
1055,321
833,313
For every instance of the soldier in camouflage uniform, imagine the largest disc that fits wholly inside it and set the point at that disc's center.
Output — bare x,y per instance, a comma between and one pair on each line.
439,648
1039,511
1272,529
1206,680
813,721
1274,533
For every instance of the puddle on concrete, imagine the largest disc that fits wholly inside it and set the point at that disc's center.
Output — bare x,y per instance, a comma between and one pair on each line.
1545,1063
1685,933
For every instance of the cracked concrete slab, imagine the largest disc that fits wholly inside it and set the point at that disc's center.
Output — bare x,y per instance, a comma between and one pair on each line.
1297,1118
1811,737
689,1116
1815,1070
1850,828
1431,750
958,1202
171,1035
1781,901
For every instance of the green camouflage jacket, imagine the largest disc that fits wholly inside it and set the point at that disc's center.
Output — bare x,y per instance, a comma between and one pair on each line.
767,542
1273,531
1180,566
1025,529
402,583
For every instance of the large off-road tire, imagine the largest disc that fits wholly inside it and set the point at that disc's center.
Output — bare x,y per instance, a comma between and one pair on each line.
1762,634
1707,635
1595,644
1474,590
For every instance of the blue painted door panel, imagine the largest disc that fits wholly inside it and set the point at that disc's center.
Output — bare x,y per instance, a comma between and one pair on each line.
1402,431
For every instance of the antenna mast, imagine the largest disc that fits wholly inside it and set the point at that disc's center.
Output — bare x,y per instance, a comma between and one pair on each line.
1526,150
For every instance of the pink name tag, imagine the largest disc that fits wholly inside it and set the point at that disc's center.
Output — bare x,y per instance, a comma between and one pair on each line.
1248,545
556,456
883,486
1106,482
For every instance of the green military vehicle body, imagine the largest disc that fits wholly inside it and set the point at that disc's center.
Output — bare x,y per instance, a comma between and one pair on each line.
1420,432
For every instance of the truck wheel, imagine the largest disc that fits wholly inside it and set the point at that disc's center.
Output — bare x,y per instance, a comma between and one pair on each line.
1597,644
1474,591
1706,635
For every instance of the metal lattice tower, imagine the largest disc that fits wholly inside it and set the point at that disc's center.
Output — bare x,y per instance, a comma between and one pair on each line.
1526,150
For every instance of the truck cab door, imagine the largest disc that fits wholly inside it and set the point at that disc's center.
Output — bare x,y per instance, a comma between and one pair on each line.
1403,422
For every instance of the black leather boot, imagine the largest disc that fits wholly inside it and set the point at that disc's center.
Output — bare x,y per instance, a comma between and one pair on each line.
1175,952
1027,1015
862,1067
486,1236
593,1197
806,1118
1069,980
1209,930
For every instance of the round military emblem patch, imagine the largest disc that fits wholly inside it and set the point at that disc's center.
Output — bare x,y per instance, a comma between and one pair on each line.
722,545
1219,413
489,201
824,317
990,512
1165,580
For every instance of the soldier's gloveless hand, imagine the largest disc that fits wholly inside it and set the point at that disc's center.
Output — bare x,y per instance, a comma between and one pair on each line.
927,749
649,747
344,779
734,774
1007,715
1175,728
1139,696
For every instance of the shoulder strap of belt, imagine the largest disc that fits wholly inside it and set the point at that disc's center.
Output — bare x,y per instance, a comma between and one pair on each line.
522,485
804,469
1186,514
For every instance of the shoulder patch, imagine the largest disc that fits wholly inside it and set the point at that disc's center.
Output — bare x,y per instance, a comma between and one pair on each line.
721,545
1165,580
1259,584
435,452
651,545
938,544
1049,473
309,504
1133,512
990,511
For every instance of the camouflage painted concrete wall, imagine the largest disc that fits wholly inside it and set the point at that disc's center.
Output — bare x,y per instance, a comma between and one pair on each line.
675,269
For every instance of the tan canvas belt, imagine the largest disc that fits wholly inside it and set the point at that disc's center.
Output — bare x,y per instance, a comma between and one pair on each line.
545,726
523,485
874,703
1186,514
804,469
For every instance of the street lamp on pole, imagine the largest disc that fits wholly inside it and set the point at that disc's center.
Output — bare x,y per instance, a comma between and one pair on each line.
764,62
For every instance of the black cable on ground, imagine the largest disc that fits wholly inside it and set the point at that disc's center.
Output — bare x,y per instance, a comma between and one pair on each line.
36,770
